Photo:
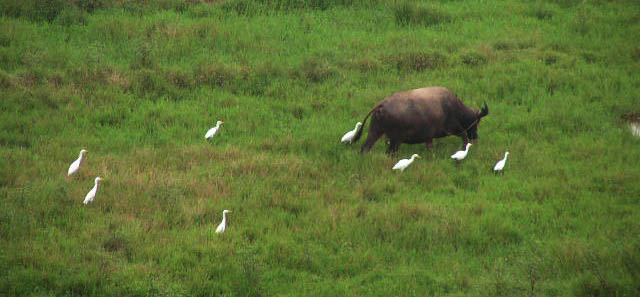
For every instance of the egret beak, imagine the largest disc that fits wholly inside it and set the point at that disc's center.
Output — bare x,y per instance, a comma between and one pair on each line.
229,211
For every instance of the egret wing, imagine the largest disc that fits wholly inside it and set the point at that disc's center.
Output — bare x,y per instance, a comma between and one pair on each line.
401,164
220,228
347,136
211,132
74,167
89,197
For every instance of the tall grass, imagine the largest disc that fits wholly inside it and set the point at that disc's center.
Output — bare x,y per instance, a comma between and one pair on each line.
138,83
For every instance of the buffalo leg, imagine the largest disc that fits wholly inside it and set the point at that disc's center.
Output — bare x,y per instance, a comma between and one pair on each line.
393,147
429,143
374,134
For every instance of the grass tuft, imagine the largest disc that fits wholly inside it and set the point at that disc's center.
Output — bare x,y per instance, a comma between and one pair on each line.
6,80
408,13
635,54
71,15
542,12
216,74
315,70
417,61
473,58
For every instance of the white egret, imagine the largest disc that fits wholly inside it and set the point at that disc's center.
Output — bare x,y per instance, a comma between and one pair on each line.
460,155
404,163
76,164
213,130
348,137
92,193
500,165
223,224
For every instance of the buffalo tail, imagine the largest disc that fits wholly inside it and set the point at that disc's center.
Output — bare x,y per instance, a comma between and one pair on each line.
364,122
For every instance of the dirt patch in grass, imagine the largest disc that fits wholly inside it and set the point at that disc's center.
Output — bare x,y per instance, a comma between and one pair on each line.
119,79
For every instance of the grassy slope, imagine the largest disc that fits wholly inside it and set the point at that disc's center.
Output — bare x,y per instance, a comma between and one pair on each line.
139,88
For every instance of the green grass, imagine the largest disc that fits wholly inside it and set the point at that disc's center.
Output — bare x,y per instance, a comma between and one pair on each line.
138,83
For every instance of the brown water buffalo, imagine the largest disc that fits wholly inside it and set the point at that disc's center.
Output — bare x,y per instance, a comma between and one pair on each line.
419,116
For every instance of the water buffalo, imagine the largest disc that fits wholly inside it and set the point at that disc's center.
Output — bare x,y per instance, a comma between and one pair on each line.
419,116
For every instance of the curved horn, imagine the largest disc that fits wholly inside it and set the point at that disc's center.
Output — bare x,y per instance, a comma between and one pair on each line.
485,111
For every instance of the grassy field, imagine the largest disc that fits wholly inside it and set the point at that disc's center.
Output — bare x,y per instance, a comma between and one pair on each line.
138,83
